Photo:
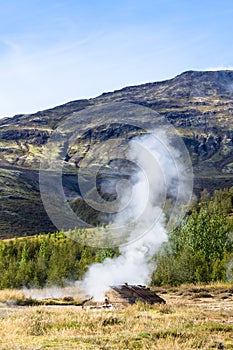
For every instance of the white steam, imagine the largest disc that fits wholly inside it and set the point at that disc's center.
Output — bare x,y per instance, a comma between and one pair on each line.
157,178
72,289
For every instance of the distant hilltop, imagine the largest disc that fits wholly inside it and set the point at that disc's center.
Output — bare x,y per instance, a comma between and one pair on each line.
198,103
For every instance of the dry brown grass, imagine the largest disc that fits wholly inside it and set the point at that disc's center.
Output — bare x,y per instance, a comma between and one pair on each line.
183,323
11,294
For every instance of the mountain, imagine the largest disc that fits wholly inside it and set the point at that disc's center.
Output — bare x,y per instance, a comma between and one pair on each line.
198,104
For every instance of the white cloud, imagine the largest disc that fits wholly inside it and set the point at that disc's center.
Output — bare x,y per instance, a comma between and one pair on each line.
218,68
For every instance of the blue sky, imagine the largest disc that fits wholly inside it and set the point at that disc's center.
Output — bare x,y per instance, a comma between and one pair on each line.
54,51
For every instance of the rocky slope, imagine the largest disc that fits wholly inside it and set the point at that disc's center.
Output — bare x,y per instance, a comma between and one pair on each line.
198,104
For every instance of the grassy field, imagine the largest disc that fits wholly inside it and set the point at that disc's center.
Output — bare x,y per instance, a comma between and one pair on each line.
194,317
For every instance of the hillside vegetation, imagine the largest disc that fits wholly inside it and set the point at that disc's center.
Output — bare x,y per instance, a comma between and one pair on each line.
198,250
198,104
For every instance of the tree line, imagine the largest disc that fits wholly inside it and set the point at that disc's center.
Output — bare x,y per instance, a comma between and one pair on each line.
200,249
51,259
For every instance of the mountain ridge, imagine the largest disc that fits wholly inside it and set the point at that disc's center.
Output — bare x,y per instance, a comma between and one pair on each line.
199,104
90,101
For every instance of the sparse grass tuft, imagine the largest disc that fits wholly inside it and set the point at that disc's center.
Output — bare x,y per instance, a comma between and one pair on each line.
37,323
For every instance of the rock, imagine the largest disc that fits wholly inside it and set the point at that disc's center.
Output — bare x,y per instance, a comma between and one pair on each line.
198,104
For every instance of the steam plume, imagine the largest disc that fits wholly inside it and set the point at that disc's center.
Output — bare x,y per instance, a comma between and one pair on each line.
157,177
